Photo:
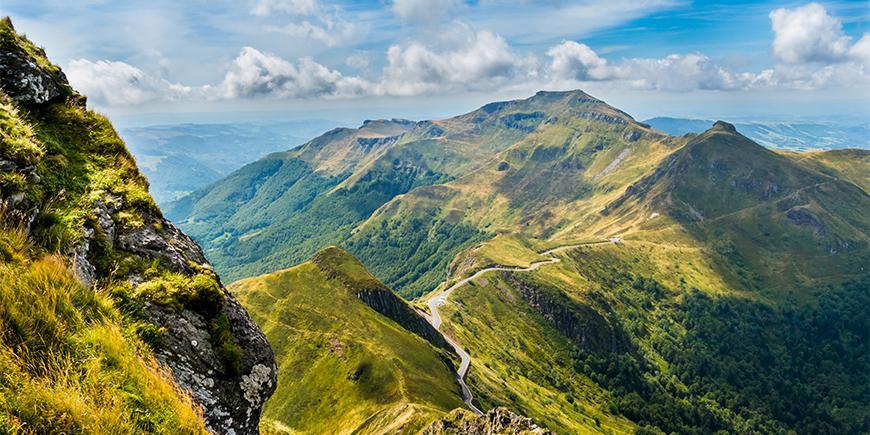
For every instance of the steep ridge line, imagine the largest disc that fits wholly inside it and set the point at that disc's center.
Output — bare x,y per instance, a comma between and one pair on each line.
434,317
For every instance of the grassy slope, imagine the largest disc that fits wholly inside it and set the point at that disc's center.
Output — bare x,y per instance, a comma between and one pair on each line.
660,292
739,201
848,164
72,360
280,210
342,366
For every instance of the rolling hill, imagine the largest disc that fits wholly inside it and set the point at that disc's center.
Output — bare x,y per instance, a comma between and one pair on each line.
281,209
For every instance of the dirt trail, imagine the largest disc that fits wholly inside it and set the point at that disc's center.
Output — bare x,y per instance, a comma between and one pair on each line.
434,317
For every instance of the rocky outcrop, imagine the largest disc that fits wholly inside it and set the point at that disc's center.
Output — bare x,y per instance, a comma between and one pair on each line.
231,397
584,325
22,77
801,216
498,421
367,143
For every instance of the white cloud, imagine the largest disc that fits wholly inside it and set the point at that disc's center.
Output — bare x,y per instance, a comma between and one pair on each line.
120,84
479,61
255,74
292,7
814,54
860,52
573,64
331,32
680,72
424,10
359,61
808,34
573,60
313,21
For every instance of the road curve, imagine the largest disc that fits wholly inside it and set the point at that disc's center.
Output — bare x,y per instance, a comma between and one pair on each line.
434,317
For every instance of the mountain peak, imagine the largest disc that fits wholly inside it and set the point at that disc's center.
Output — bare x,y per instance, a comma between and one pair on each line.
723,126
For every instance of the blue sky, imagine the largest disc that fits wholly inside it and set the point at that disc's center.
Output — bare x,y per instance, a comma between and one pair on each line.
211,60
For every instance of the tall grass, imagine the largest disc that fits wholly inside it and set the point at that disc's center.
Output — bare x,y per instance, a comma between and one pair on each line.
70,363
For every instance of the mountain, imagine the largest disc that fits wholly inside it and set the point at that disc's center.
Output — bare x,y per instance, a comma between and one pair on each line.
279,210
179,159
353,357
111,319
796,136
724,259
771,214
601,275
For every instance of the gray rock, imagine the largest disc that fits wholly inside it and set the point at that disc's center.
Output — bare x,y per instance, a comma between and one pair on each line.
171,245
24,81
231,397
231,403
83,269
498,421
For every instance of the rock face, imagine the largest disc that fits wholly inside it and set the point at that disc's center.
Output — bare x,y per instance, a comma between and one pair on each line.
498,421
384,301
231,400
586,327
231,395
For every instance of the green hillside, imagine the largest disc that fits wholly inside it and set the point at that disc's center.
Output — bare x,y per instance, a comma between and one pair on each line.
343,366
733,263
703,356
775,223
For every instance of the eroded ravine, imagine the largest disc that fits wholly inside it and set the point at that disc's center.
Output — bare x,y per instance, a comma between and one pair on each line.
439,299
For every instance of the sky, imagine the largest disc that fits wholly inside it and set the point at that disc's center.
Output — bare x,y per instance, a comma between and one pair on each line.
160,61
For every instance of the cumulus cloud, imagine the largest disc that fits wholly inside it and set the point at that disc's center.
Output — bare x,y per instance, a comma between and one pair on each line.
255,74
577,61
571,60
481,61
808,34
573,63
813,51
121,84
860,52
292,7
424,10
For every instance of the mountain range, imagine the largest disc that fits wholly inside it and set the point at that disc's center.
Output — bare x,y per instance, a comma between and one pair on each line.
536,266
603,256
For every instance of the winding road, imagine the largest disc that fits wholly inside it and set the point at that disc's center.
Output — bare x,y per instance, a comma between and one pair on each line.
434,317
